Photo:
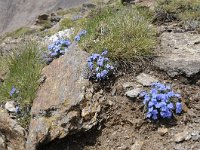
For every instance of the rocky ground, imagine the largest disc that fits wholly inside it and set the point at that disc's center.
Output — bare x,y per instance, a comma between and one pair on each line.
71,113
15,13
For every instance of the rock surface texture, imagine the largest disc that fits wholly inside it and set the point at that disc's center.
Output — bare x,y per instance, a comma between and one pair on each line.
17,13
12,135
65,104
179,54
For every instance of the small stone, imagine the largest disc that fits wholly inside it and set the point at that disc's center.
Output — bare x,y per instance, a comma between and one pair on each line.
180,137
195,135
162,131
146,79
10,106
137,146
185,108
114,91
133,93
2,141
42,79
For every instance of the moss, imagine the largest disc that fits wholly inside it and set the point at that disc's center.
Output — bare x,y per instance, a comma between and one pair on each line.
125,31
66,23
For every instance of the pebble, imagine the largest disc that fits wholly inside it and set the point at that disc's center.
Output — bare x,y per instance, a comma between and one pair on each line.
10,106
162,131
180,137
134,93
137,145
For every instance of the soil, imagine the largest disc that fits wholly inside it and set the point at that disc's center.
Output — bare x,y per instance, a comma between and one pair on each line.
123,123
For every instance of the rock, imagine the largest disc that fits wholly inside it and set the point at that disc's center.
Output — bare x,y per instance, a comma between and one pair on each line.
11,106
130,85
55,18
65,103
134,93
180,137
137,146
43,17
2,142
179,54
195,135
11,134
162,131
146,79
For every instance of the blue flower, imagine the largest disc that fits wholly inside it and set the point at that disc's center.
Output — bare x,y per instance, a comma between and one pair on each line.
104,73
83,32
90,65
146,98
98,75
77,38
170,106
152,113
13,91
104,52
178,107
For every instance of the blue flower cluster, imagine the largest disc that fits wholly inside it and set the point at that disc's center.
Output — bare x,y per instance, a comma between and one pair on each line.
58,47
161,101
81,33
99,65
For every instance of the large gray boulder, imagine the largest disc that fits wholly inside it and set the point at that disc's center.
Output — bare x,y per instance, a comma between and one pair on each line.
179,54
65,103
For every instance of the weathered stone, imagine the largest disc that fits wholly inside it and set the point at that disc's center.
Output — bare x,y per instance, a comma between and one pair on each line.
11,106
137,145
63,105
195,135
162,131
179,54
133,93
179,137
11,134
146,79
2,141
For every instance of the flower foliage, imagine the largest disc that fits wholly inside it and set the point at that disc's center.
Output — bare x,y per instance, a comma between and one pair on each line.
58,47
100,66
161,102
81,33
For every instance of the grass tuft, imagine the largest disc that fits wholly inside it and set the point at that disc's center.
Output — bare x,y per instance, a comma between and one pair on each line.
24,67
125,31
183,10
